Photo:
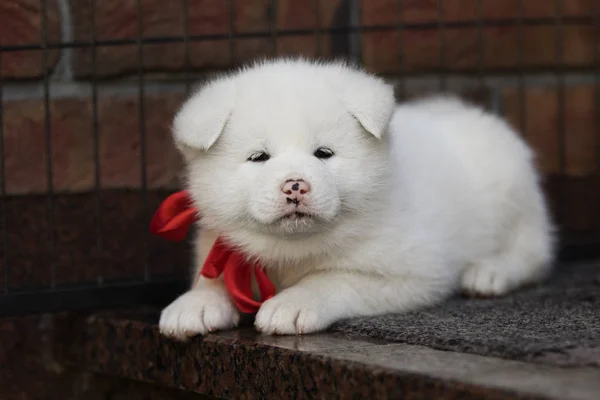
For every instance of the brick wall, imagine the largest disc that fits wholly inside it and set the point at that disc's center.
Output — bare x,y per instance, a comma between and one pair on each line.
539,70
466,45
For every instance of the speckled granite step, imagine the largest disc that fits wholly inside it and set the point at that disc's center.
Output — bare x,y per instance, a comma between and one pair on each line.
243,365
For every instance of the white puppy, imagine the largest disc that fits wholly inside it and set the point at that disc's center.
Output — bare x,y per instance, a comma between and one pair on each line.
401,207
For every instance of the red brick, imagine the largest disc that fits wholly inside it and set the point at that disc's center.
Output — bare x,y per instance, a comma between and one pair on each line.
305,45
304,15
421,47
73,147
542,127
117,19
386,12
120,140
22,25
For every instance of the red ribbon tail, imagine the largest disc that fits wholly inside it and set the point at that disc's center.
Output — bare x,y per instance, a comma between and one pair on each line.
238,280
174,217
216,260
265,286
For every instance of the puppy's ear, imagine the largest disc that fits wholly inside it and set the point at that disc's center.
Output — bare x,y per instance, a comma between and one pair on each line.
370,100
203,117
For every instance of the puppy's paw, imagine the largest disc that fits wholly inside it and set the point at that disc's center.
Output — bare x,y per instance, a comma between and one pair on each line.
487,279
198,312
293,311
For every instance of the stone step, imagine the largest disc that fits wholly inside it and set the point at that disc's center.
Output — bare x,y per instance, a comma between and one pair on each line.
241,364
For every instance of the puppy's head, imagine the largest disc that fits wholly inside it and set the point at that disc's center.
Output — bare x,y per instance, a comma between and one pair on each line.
286,148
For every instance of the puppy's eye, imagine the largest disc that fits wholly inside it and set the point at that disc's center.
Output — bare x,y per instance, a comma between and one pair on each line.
323,153
259,156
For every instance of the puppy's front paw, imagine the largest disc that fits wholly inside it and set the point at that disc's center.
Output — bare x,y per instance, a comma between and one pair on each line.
198,312
294,311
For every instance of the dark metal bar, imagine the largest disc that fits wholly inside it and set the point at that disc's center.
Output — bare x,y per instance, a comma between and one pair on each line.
521,66
231,32
273,26
597,103
187,71
480,45
442,42
560,68
587,20
561,129
186,44
142,123
354,35
400,28
3,226
96,144
48,135
90,297
318,31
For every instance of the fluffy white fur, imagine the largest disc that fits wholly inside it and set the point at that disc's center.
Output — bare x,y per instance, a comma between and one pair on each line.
418,200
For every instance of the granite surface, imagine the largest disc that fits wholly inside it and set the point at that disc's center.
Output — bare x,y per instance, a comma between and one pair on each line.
30,371
241,364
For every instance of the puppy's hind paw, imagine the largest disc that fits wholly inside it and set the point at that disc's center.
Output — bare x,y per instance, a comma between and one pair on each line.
487,279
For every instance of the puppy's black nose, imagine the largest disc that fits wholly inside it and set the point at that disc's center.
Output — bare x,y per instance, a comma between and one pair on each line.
297,186
295,190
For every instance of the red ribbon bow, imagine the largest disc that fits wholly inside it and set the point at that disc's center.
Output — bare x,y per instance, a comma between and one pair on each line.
172,221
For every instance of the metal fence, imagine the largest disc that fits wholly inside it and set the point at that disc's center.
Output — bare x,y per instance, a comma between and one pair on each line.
80,245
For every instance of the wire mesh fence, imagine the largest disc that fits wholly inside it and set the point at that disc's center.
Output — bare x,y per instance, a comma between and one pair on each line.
88,89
